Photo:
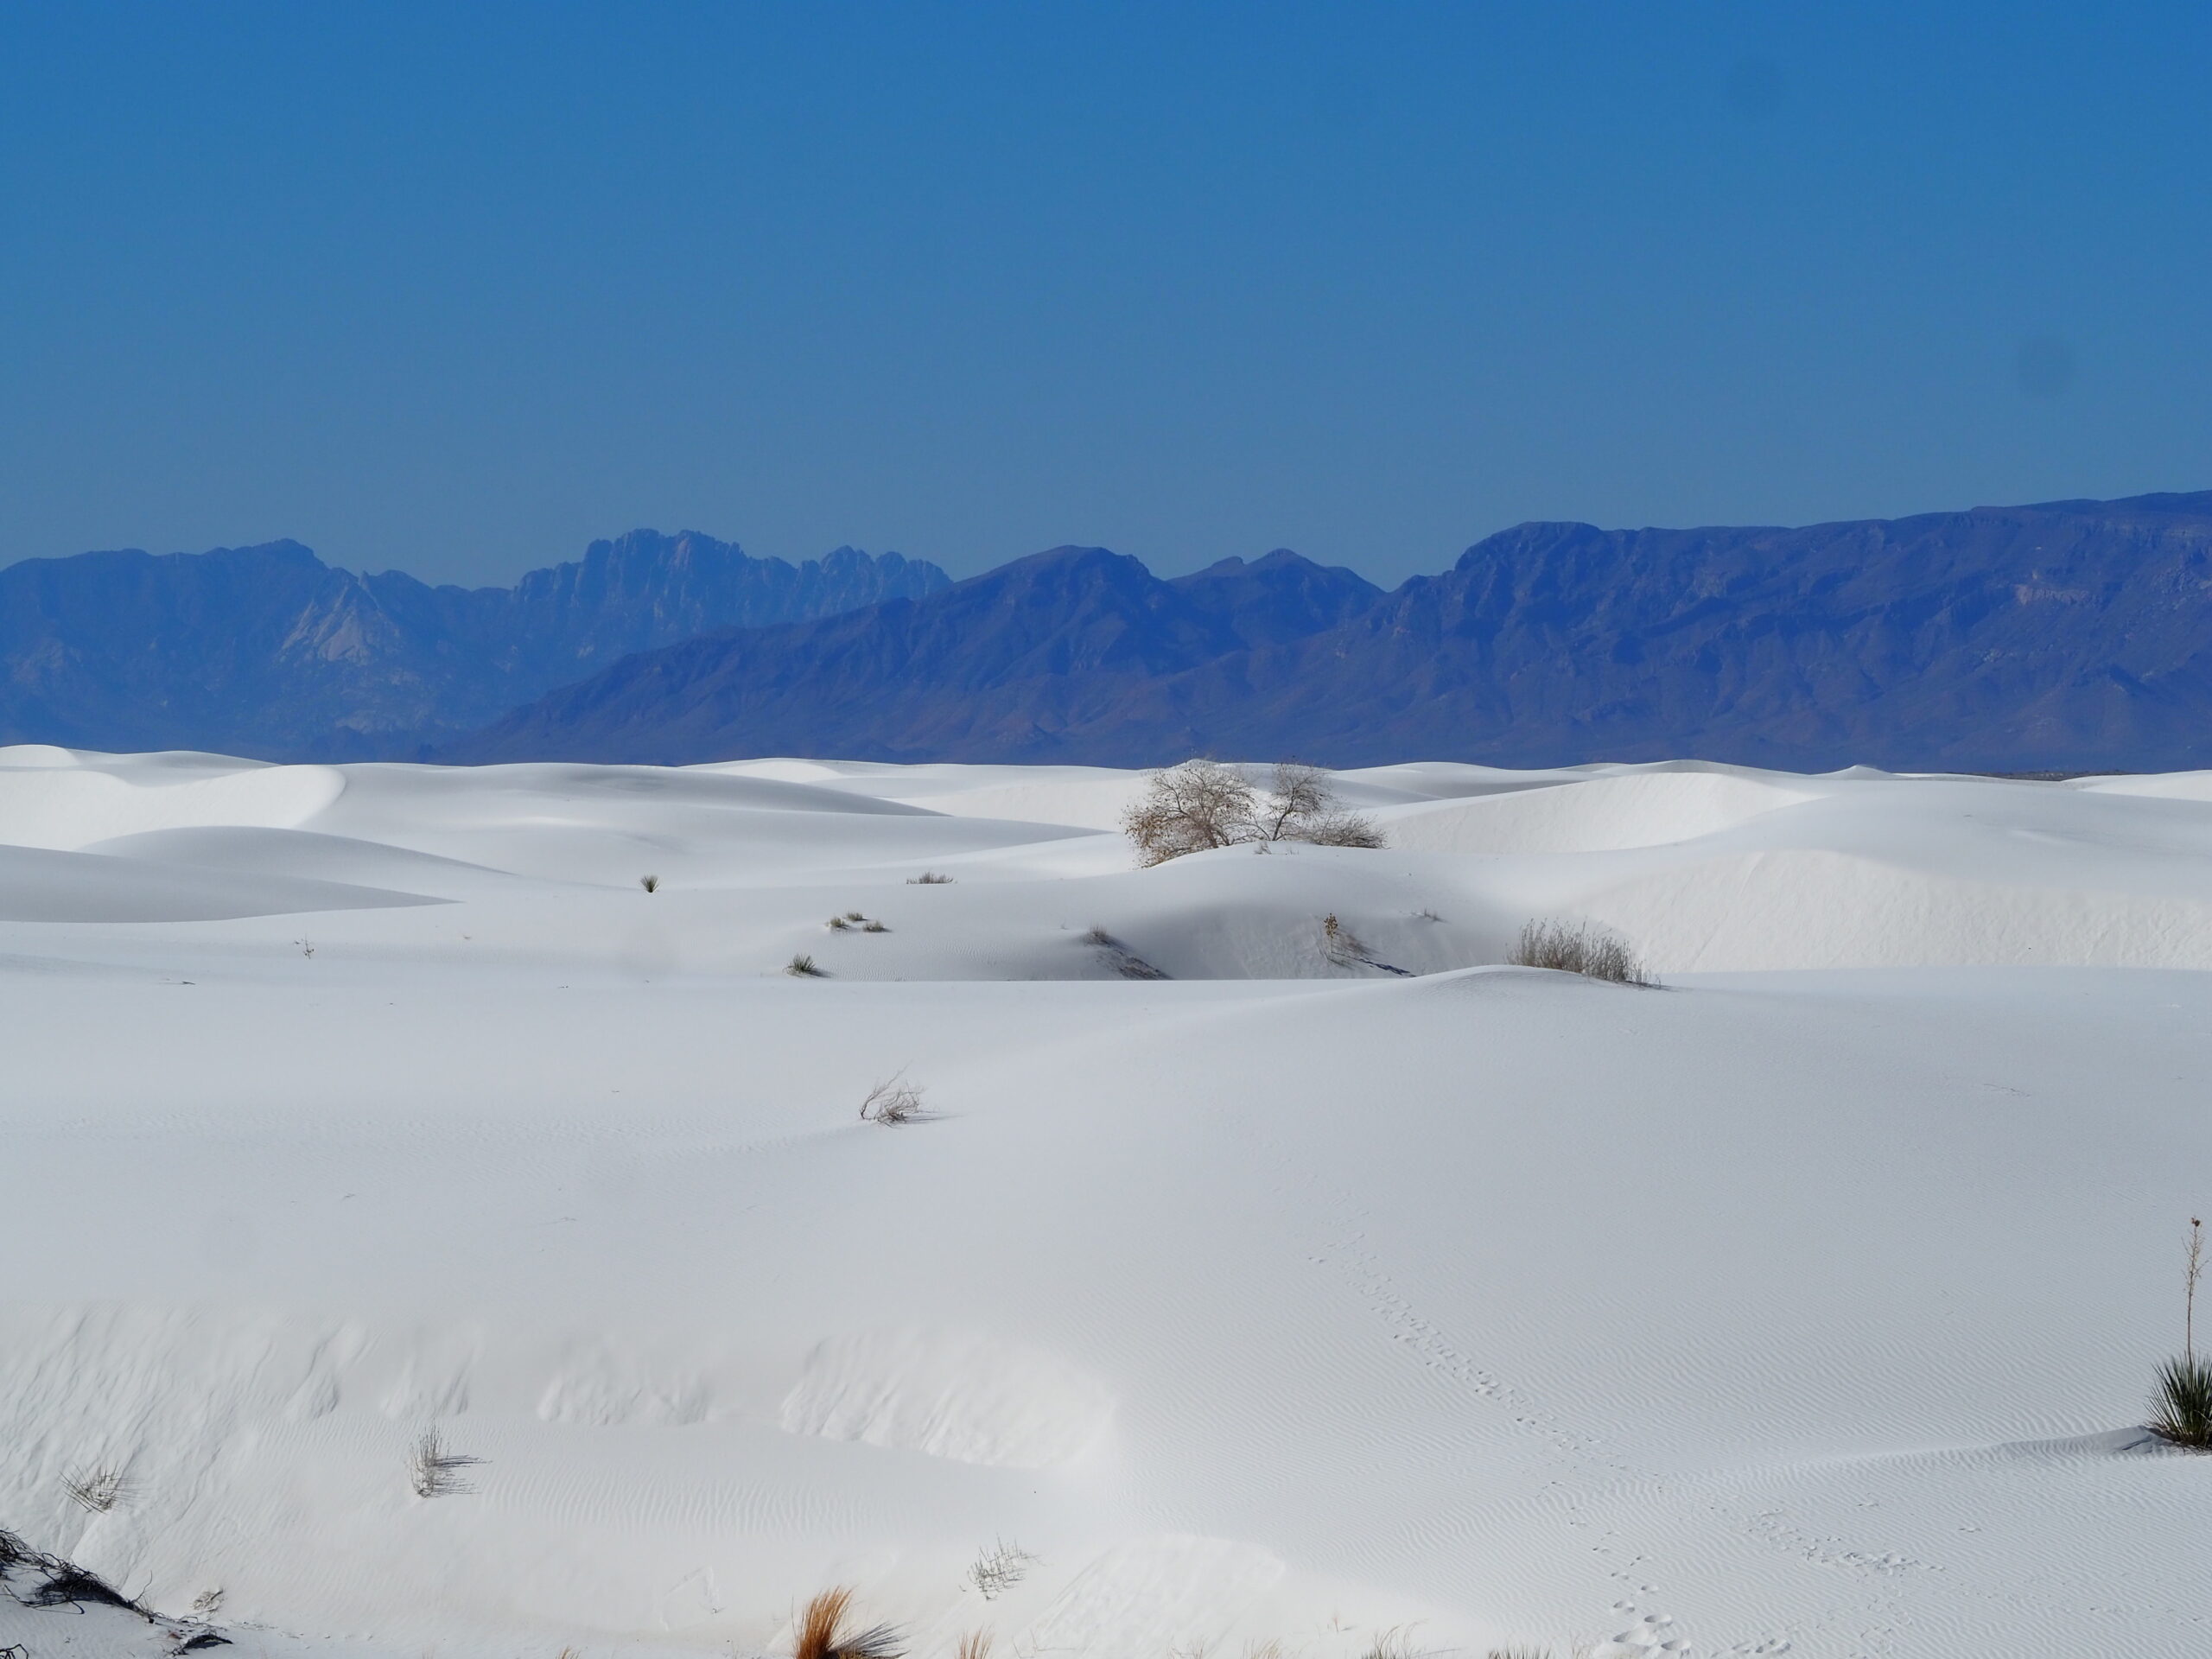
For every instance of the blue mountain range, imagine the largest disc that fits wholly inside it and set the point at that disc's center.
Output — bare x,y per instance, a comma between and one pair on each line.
2065,636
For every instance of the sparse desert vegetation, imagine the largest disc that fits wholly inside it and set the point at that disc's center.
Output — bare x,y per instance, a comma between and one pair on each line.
1573,947
96,1490
649,883
434,1468
825,1631
2182,1412
804,966
999,1568
929,879
895,1101
1202,805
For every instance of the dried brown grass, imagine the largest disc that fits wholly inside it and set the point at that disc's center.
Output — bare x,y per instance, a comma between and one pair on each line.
823,1632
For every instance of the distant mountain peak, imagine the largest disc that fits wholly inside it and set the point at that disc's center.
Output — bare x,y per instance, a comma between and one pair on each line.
267,652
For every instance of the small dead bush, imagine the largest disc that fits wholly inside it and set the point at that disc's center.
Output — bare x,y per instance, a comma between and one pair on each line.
801,966
434,1468
895,1101
855,916
929,879
1340,944
976,1644
649,883
874,926
838,923
823,1633
1579,948
99,1490
999,1568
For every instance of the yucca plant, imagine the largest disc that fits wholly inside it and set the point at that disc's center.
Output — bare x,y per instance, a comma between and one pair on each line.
2182,1412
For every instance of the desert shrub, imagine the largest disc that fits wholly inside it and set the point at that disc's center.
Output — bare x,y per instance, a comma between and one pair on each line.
929,879
1340,944
838,923
434,1468
895,1101
1579,948
98,1490
855,916
649,883
874,926
999,1568
1202,805
1192,808
2183,1410
801,966
823,1634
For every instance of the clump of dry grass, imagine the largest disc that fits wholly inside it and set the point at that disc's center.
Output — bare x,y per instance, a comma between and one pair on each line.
649,883
434,1468
929,879
823,1633
838,923
99,1489
1579,948
801,966
976,1644
872,926
895,1101
999,1568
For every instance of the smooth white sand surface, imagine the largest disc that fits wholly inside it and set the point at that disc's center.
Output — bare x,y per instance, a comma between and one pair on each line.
1807,1304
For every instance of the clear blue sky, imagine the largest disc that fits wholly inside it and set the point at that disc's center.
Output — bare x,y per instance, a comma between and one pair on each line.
458,288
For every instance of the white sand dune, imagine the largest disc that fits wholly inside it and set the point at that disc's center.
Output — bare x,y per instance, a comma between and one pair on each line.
1324,1286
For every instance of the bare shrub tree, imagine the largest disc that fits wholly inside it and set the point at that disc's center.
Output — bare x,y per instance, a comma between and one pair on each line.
1302,805
1579,948
1192,808
1202,805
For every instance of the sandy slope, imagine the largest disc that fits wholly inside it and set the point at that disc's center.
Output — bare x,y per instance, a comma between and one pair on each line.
1303,1293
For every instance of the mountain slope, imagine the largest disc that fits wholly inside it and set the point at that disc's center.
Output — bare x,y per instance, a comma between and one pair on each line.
2068,635
1008,663
269,652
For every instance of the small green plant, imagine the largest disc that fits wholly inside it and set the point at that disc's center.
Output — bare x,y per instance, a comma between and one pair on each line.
802,967
855,916
838,923
2182,1411
649,883
929,879
874,926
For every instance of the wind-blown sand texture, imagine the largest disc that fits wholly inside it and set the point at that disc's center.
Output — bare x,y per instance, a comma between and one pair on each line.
1807,1304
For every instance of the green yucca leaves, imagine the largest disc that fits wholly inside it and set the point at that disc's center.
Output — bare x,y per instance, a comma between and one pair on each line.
2183,1408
